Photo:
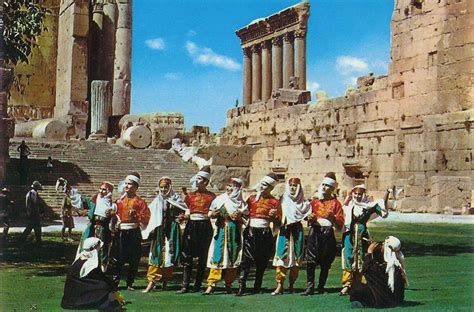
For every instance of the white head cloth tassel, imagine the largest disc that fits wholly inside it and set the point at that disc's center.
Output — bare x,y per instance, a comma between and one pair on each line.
90,251
202,174
294,207
263,185
394,258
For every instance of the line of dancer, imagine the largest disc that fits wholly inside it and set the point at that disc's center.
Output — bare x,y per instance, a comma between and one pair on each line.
244,233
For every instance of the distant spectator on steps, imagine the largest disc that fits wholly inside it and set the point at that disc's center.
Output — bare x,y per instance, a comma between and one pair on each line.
49,165
24,151
6,210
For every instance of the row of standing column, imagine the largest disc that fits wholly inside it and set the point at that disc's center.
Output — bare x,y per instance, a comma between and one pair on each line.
269,65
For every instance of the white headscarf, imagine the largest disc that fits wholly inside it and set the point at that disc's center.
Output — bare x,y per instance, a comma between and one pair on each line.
233,202
329,181
203,174
294,207
103,204
265,183
394,258
121,184
90,251
356,208
158,207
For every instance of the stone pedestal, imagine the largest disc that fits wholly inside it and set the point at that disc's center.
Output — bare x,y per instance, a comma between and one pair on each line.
123,56
101,107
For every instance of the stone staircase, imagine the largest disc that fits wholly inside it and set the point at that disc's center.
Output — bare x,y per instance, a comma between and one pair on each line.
85,164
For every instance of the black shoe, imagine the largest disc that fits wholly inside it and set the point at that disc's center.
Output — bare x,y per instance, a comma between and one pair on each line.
228,290
183,290
164,285
257,290
196,288
308,292
320,290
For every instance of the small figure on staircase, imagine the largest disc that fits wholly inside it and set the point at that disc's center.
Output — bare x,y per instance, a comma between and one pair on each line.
6,210
49,165
24,151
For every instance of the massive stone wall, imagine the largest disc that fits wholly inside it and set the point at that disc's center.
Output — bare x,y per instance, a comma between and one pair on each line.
33,91
406,128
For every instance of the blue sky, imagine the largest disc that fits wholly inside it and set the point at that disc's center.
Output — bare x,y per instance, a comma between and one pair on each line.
186,57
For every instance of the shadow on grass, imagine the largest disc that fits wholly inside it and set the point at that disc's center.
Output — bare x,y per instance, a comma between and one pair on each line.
416,249
53,256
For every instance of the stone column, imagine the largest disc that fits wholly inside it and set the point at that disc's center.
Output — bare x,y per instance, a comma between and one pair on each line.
247,83
288,59
266,70
256,73
300,46
96,42
108,37
123,57
101,107
277,64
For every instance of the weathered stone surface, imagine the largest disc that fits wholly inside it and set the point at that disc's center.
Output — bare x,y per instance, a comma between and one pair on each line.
137,136
221,175
452,192
46,129
401,129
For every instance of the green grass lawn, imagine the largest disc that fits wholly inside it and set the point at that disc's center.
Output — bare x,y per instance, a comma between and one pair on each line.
440,265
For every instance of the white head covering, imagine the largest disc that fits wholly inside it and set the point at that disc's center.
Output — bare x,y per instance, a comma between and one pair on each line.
294,207
133,178
103,204
158,207
90,251
328,181
394,258
233,202
203,174
266,182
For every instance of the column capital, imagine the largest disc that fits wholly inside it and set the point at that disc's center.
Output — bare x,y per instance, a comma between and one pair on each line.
266,45
247,52
97,6
300,33
277,41
256,48
288,37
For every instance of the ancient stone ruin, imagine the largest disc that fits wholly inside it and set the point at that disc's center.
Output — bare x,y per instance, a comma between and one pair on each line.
80,80
410,128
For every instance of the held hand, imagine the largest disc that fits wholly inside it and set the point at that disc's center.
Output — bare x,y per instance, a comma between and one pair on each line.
215,213
132,213
312,218
236,216
272,213
372,247
109,213
181,218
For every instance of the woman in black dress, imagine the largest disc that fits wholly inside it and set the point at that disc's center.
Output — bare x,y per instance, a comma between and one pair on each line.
383,280
86,286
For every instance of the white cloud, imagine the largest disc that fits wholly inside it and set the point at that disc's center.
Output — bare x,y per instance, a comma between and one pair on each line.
348,64
173,76
191,33
312,86
206,56
156,44
353,81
